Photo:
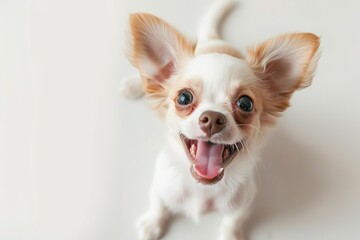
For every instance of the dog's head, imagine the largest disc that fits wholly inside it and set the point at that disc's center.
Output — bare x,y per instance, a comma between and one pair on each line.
216,104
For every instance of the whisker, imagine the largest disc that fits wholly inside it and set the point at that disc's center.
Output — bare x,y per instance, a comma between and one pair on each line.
253,162
256,128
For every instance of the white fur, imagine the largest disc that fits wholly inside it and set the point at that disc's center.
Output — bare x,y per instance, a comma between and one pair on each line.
178,191
222,73
173,189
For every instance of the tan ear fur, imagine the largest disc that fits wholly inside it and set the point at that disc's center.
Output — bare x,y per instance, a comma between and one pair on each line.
284,64
158,51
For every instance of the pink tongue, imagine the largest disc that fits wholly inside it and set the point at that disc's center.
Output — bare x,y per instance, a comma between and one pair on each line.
208,159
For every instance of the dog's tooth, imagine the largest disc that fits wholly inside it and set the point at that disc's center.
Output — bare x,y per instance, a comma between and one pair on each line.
226,153
192,150
220,171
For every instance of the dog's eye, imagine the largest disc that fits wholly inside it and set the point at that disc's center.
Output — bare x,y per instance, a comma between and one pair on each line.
185,97
245,104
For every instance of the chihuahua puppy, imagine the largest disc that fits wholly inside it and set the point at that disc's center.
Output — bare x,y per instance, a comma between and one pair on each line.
217,105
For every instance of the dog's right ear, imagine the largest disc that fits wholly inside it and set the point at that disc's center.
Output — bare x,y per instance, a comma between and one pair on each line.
158,50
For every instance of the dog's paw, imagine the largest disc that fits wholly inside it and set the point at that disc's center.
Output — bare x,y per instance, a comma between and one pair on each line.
230,237
151,227
230,234
131,87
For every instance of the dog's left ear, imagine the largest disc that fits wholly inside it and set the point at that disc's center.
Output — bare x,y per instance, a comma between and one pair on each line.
158,50
285,64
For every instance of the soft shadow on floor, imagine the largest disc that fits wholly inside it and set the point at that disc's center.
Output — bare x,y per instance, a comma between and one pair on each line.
287,182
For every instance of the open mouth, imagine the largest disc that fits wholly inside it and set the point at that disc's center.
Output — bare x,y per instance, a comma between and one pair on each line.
208,159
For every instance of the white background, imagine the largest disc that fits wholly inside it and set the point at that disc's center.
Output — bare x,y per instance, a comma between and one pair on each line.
76,159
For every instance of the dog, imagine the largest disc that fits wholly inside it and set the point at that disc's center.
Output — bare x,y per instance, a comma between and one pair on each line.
218,106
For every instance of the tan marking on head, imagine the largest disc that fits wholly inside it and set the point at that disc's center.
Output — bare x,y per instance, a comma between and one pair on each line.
218,46
244,120
195,87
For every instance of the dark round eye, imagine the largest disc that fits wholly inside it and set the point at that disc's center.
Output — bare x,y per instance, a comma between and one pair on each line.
245,104
185,97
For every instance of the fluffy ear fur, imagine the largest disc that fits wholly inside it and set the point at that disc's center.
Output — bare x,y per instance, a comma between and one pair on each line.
158,50
284,64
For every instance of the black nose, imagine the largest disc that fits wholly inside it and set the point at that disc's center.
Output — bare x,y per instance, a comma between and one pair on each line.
212,122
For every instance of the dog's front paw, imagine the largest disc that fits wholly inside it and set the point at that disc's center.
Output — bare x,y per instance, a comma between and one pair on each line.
230,234
151,227
131,87
230,237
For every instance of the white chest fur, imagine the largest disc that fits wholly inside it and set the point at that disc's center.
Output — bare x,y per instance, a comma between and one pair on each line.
180,192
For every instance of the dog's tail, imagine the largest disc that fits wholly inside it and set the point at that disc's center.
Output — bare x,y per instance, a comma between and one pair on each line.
210,23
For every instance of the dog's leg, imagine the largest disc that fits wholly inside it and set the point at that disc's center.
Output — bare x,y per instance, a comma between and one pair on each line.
232,223
131,87
153,224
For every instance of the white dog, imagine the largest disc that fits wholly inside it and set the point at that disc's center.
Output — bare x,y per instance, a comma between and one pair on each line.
217,106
